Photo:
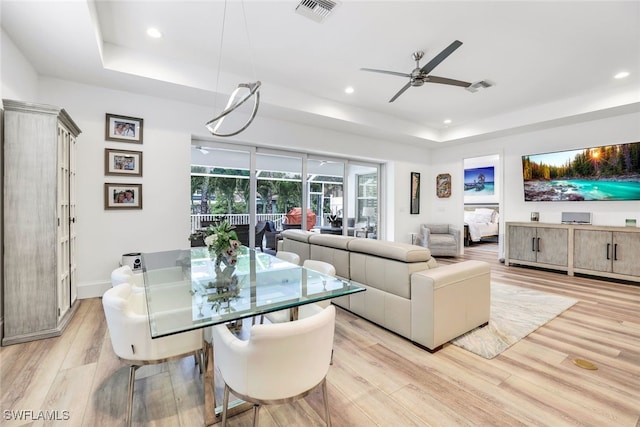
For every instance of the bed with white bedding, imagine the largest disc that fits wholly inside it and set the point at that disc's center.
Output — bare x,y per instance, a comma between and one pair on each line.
480,222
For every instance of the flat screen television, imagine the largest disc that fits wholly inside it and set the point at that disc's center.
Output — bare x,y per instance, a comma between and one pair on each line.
608,172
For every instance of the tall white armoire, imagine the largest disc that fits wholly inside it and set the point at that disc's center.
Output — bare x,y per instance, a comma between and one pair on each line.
39,236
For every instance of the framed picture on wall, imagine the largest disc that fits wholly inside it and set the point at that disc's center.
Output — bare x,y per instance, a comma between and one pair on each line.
480,185
415,192
123,129
443,185
122,162
122,196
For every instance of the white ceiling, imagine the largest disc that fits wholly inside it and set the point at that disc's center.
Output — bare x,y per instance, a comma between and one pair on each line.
552,62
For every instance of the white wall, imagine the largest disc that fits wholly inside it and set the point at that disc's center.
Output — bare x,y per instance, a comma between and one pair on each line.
19,78
103,236
612,130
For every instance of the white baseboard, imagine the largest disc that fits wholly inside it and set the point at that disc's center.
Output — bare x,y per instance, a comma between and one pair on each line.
92,290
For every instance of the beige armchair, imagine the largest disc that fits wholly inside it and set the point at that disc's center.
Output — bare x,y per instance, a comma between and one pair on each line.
441,239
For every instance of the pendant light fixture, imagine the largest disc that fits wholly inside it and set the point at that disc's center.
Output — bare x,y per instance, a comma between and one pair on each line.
240,95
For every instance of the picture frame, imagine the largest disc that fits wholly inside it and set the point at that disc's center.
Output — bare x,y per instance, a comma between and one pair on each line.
475,188
443,185
122,162
415,193
535,216
122,196
123,128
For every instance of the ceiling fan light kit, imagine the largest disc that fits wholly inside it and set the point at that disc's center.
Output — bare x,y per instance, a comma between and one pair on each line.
419,76
482,84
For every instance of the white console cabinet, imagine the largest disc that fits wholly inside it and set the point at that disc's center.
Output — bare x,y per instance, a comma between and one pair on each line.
39,280
575,248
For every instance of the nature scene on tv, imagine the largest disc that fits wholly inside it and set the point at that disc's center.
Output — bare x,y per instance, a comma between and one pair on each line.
609,172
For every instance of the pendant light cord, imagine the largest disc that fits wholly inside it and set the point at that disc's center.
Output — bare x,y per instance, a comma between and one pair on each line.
224,20
246,30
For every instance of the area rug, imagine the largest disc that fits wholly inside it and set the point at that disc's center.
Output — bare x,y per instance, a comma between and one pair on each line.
515,313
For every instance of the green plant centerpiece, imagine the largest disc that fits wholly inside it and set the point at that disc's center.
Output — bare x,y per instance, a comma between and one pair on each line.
222,242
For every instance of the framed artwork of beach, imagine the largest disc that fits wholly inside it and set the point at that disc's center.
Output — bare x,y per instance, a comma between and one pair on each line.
481,179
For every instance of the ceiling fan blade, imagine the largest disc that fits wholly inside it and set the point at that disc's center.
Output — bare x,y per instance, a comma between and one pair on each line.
441,57
446,81
400,92
393,73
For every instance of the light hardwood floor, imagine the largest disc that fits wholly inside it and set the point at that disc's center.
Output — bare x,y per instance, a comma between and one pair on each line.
377,378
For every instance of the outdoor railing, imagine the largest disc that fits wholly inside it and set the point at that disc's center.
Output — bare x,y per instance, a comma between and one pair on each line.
235,219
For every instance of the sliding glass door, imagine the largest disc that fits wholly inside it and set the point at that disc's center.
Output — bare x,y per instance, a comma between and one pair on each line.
253,186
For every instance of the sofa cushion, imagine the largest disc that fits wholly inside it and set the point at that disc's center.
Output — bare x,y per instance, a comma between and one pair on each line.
339,258
331,248
298,235
391,250
331,240
388,275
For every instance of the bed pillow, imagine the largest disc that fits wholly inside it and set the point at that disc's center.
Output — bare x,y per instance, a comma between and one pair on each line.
484,215
469,216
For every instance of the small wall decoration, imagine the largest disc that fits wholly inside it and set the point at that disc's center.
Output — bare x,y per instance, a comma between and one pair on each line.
443,185
123,129
415,192
122,196
122,162
535,216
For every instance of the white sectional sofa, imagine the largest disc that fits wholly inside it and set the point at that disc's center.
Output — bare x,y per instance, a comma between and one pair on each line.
407,292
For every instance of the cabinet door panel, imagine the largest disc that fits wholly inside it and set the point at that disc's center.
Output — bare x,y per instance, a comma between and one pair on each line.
626,247
521,243
552,246
592,250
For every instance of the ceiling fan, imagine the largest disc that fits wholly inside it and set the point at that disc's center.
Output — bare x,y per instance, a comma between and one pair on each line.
420,76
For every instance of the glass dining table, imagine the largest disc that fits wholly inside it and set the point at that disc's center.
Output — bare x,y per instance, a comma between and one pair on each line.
188,289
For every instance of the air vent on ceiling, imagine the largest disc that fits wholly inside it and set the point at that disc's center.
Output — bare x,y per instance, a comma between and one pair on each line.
482,84
317,10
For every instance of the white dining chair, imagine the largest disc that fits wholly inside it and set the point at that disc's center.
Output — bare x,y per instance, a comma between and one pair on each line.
291,257
279,363
125,274
307,309
127,318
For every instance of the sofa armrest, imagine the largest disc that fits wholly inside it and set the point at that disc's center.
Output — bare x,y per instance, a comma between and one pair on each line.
448,301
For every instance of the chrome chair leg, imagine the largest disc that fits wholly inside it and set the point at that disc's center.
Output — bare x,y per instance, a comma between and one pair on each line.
199,360
325,396
132,381
256,410
225,404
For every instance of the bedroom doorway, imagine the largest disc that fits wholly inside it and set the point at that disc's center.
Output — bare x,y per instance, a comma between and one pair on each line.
483,223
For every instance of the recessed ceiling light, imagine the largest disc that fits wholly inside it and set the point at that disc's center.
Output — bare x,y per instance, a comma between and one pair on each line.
349,90
621,75
154,33
447,121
